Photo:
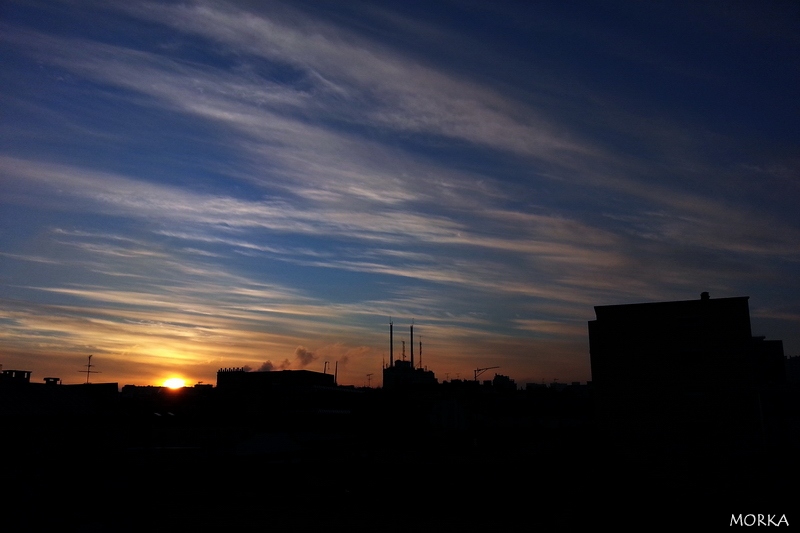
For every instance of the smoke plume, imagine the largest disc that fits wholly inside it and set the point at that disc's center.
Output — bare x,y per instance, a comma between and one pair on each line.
268,366
304,356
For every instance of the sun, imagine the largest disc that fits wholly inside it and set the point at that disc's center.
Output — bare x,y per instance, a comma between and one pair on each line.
174,383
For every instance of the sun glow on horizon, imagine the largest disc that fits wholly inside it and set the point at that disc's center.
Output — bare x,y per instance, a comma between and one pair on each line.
174,383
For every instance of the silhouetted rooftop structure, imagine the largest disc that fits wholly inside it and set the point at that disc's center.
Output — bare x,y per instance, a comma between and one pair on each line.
15,377
239,378
20,397
684,370
403,375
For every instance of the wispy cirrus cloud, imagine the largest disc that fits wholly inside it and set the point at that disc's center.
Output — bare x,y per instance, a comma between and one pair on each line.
392,88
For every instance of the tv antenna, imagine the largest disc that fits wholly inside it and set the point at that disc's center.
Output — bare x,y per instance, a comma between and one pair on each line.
369,380
89,370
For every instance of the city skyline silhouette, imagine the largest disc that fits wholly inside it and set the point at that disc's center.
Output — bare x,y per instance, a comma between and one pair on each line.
683,398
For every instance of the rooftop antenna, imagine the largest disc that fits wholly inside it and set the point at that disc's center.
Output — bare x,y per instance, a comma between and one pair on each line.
369,380
404,350
89,370
420,352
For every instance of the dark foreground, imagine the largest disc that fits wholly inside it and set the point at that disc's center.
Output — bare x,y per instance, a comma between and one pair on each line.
80,478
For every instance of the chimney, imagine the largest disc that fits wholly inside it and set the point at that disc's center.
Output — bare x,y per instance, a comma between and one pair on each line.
391,345
412,344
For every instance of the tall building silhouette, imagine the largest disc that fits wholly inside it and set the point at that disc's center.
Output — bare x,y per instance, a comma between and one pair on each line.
685,373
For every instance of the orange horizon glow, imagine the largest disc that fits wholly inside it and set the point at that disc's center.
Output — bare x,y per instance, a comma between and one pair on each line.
174,383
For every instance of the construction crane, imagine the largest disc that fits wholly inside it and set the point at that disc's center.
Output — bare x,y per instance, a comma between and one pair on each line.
479,371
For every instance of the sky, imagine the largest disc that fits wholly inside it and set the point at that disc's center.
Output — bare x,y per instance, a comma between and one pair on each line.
189,186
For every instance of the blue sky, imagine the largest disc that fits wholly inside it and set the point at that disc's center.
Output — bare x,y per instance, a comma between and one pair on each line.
186,186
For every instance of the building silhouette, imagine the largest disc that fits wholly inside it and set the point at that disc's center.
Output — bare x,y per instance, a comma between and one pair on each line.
20,397
402,374
238,378
684,375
